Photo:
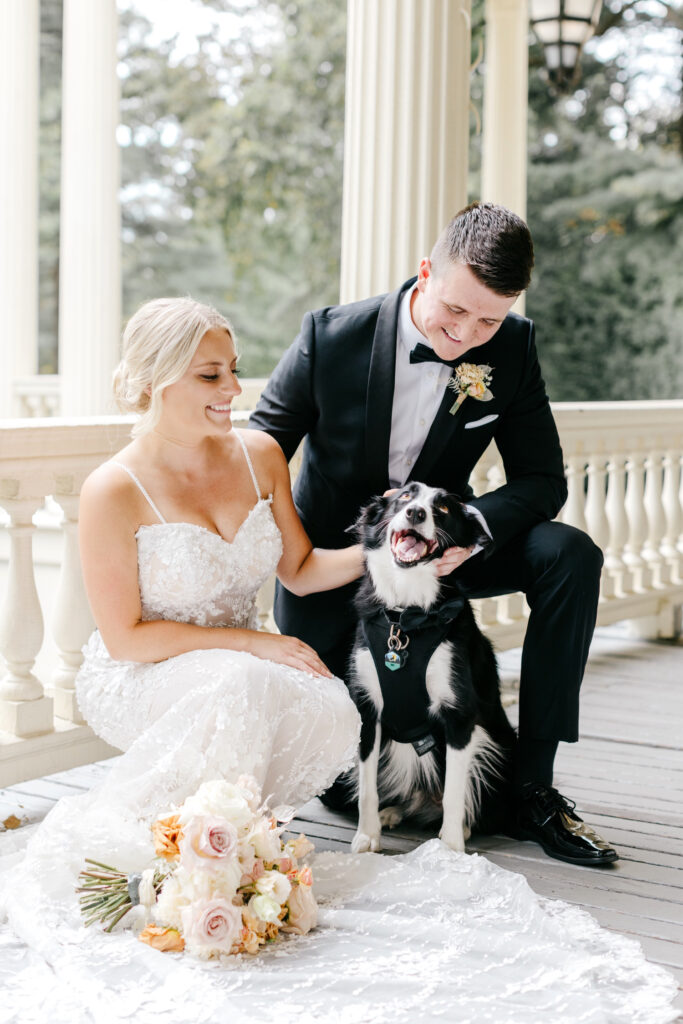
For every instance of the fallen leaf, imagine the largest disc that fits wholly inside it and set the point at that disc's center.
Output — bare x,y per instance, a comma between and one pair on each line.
12,822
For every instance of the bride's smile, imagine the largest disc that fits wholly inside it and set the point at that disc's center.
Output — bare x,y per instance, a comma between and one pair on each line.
199,404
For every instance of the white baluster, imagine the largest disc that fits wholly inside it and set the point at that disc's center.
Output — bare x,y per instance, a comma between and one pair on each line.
24,708
573,512
656,522
679,545
478,477
596,516
617,579
495,477
486,611
673,516
637,521
511,608
72,621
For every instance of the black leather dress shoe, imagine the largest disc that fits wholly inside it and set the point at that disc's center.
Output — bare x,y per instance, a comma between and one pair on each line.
547,818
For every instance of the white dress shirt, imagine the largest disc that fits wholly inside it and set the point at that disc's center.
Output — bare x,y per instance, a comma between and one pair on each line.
418,390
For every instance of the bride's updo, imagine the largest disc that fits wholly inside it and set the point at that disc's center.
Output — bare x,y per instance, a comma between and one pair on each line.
158,345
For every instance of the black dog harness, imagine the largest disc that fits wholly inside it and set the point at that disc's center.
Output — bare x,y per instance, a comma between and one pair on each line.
401,644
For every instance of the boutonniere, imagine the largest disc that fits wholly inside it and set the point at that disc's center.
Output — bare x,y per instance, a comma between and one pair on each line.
470,380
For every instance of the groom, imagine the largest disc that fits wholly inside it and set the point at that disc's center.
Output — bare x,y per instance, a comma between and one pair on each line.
366,385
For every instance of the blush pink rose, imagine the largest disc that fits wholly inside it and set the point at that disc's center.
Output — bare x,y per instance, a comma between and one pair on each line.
211,926
208,841
303,910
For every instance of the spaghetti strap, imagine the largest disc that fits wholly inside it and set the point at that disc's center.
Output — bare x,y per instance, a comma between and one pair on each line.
137,483
249,463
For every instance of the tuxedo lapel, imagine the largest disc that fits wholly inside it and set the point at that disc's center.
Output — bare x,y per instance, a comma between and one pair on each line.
380,393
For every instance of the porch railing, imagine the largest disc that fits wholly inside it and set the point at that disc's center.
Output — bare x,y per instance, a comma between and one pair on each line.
624,466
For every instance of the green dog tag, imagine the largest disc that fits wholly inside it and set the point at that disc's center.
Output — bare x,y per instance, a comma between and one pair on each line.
393,660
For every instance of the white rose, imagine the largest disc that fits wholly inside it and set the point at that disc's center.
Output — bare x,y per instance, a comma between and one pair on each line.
169,904
265,841
220,799
251,791
273,883
265,908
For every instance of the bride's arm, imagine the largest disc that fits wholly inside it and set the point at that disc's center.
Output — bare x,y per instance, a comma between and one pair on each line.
108,520
303,569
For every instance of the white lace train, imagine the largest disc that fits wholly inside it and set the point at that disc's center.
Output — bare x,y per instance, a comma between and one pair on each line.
427,936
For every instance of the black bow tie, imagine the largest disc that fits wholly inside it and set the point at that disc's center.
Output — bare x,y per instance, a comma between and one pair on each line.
424,354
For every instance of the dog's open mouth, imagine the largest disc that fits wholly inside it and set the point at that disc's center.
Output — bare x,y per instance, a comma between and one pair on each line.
408,547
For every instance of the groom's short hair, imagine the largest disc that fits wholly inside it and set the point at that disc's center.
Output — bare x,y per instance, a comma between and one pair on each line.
493,242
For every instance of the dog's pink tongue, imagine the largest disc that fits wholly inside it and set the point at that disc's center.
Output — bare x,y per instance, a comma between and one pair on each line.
410,547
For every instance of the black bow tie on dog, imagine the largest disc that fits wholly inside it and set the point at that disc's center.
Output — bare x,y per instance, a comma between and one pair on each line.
415,617
424,354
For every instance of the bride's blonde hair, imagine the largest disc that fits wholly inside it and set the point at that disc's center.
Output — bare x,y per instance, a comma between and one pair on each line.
158,345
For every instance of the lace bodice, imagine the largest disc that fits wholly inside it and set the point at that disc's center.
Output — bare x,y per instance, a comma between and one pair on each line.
190,574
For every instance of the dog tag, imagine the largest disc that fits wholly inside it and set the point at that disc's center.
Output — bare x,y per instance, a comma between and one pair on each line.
394,660
424,745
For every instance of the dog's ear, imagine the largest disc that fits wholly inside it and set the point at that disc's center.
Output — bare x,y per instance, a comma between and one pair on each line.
369,516
464,528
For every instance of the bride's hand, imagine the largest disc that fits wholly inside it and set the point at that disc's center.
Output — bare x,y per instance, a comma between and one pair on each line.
287,650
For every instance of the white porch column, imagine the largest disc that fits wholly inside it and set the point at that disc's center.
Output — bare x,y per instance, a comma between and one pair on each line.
506,88
19,79
406,136
506,103
90,271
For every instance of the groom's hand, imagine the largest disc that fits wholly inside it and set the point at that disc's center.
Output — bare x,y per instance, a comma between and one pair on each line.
452,559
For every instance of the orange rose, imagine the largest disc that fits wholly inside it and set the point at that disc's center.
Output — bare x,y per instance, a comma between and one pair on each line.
167,833
166,940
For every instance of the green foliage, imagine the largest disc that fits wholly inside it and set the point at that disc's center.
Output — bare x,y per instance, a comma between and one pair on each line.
249,163
231,190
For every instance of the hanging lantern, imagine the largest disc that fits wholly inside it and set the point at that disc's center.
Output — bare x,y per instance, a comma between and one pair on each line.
563,26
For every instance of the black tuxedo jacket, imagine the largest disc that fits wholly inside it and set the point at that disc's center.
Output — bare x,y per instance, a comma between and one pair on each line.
334,386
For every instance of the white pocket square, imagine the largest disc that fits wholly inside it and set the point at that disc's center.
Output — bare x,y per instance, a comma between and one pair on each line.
482,422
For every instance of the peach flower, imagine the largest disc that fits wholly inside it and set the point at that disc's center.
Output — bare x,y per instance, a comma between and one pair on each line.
303,910
166,940
167,833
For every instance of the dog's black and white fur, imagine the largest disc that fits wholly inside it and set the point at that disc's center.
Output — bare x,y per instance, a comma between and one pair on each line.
435,740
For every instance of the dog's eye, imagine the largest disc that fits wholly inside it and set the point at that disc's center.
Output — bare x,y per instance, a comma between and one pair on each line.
442,508
404,497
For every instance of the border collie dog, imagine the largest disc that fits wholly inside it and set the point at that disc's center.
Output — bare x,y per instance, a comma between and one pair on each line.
435,742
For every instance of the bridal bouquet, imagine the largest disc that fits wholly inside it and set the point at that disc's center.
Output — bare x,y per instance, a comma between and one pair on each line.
224,881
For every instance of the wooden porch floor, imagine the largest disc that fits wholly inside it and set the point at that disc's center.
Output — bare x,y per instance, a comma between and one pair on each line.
626,776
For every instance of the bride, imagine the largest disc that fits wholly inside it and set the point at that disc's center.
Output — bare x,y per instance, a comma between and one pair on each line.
178,533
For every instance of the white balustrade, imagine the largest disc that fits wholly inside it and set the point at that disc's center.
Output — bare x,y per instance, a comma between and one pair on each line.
656,522
24,708
672,514
616,578
637,521
573,512
625,487
72,621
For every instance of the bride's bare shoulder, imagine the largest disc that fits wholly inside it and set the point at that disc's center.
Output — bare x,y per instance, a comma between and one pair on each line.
264,450
110,486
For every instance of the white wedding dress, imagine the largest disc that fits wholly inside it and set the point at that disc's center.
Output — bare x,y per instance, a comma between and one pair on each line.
426,936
